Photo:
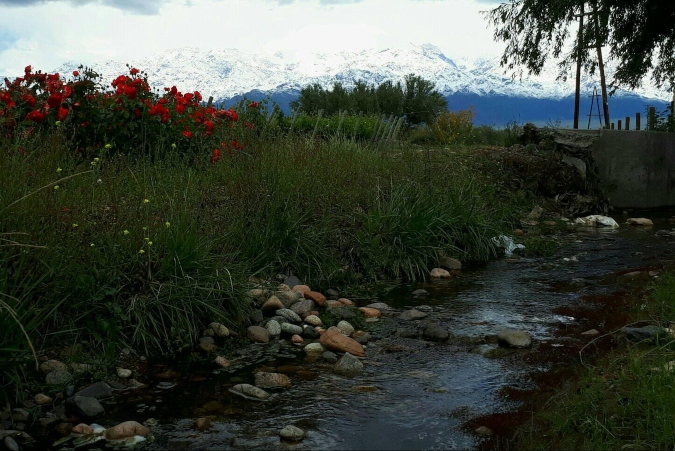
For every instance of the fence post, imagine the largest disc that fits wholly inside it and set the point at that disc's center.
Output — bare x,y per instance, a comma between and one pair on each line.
627,122
612,127
651,118
316,127
618,124
637,121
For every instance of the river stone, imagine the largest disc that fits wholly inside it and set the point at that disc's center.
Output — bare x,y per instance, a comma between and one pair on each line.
420,292
258,334
292,433
346,302
297,340
637,334
346,328
302,289
313,320
273,327
83,429
515,338
288,298
259,295
222,362
58,377
597,221
310,332
208,333
292,281
370,312
348,365
271,305
361,337
256,316
483,431
435,332
249,392
329,357
123,372
279,319
451,264
640,222
289,315
41,399
52,365
334,340
291,329
10,444
412,314
486,350
271,380
316,297
126,430
219,329
84,406
440,273
332,294
380,305
314,349
332,303
99,390
591,332
304,306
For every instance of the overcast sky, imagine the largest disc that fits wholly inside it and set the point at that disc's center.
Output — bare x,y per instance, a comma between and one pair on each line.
47,33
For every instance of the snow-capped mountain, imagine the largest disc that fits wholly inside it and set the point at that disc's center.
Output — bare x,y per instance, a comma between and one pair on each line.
228,73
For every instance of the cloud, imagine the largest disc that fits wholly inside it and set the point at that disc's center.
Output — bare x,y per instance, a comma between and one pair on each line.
142,7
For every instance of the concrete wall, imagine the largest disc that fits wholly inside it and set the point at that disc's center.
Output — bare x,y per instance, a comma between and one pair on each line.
637,168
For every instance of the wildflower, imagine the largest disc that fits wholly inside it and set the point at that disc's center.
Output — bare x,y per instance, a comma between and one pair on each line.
57,123
149,243
253,105
58,170
97,160
167,224
75,225
145,228
91,245
146,201
146,238
141,251
56,187
173,145
108,146
126,232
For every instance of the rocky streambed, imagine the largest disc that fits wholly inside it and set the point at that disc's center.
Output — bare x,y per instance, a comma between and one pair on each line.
417,368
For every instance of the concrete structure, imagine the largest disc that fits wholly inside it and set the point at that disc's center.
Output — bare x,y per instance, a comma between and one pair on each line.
637,168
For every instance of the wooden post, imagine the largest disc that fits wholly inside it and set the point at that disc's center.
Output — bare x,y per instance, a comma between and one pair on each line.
612,126
618,124
577,92
210,102
601,66
316,127
637,121
651,119
627,122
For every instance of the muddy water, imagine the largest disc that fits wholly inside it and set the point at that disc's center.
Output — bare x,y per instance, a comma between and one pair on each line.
413,394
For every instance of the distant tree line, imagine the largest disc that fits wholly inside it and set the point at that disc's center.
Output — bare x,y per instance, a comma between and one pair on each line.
415,98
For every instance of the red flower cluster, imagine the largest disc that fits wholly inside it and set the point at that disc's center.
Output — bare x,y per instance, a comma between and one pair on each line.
94,115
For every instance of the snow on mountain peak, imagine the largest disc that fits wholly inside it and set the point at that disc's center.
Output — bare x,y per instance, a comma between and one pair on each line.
225,73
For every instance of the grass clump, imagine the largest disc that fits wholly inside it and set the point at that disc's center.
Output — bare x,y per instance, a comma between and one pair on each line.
624,401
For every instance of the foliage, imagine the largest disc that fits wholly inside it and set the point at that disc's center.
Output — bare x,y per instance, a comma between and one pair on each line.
417,99
664,121
450,127
639,34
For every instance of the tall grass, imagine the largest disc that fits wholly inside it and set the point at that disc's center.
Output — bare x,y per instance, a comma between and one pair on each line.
146,250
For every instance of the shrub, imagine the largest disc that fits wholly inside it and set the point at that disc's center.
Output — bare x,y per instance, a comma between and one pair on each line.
453,126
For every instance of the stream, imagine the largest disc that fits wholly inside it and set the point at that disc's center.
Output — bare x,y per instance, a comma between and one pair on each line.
413,394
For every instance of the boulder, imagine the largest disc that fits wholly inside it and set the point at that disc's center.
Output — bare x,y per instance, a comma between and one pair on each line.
514,338
644,222
126,430
292,433
84,406
435,332
334,340
258,334
315,296
220,330
271,305
249,392
348,365
451,264
271,380
440,273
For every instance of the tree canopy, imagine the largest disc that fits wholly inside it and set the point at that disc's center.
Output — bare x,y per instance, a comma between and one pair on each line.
640,35
416,98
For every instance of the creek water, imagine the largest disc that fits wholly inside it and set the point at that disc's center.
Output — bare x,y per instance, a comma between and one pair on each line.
413,394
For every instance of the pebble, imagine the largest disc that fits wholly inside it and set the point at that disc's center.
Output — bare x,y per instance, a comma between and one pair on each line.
483,431
420,292
83,429
219,329
310,332
410,315
85,406
515,338
123,372
297,339
273,327
222,361
272,380
370,312
314,349
249,392
292,433
346,328
330,357
202,424
58,377
52,365
258,334
10,444
126,430
41,399
291,329
209,333
591,332
382,305
289,315
440,273
271,305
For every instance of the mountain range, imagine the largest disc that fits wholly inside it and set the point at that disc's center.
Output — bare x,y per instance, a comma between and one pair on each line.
229,75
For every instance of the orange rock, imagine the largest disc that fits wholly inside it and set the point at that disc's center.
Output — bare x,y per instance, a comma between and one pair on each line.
334,340
125,430
344,301
302,288
83,429
297,339
315,296
331,303
370,312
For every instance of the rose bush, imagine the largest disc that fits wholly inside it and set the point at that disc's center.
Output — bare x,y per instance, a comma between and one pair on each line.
129,117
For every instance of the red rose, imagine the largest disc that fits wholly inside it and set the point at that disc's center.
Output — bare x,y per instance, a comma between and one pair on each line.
180,109
253,105
28,100
62,114
134,71
209,126
28,69
215,156
54,100
187,133
35,116
76,73
198,96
